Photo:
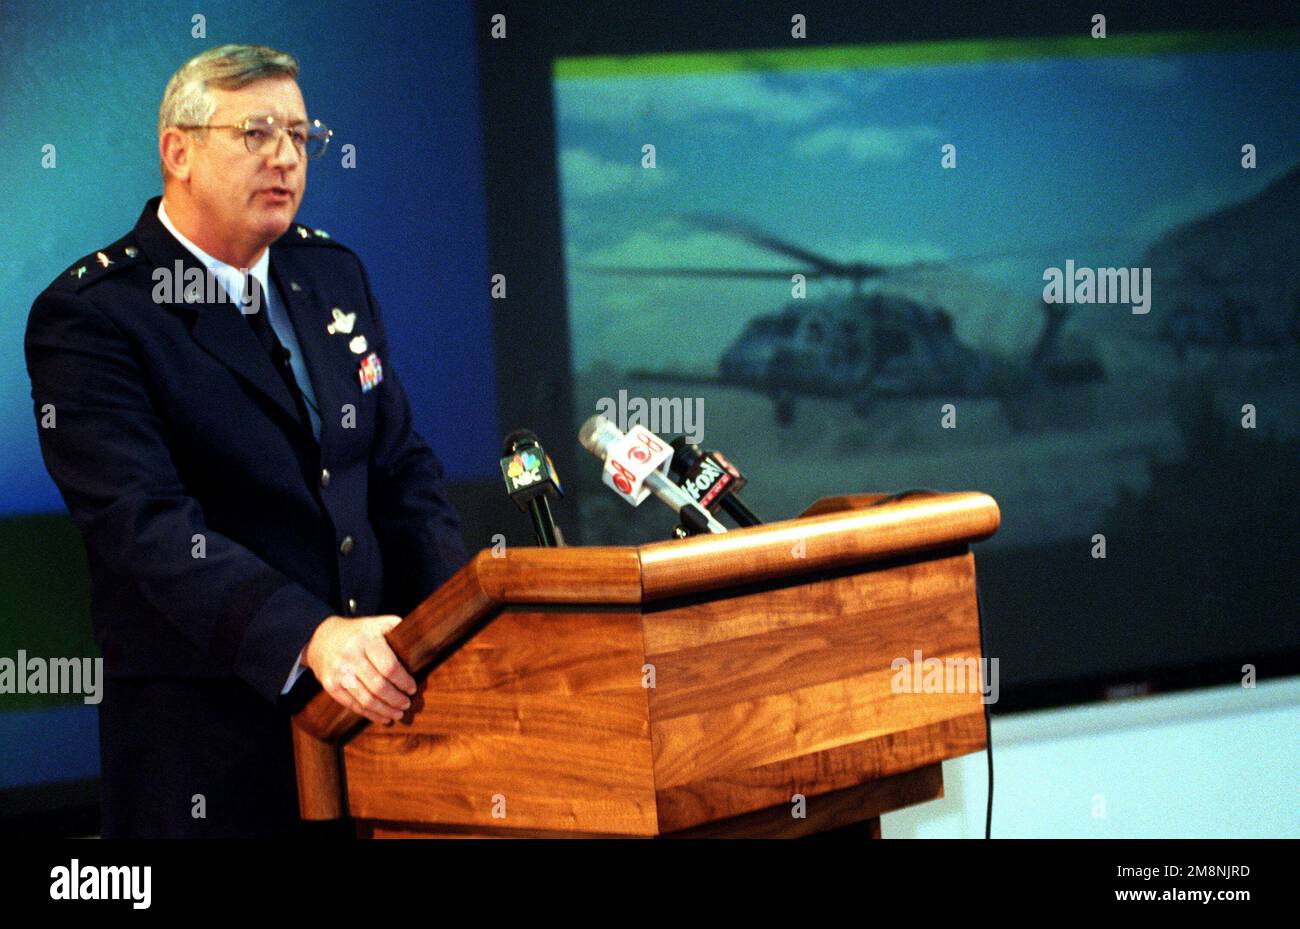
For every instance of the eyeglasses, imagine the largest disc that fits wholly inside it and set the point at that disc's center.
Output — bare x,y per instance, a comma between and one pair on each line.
259,132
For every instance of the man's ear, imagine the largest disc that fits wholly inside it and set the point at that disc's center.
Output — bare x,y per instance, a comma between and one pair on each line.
176,149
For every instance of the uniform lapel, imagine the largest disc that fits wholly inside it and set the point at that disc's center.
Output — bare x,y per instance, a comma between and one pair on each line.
218,327
309,317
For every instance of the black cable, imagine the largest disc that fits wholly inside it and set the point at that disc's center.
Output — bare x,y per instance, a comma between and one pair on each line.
988,728
979,614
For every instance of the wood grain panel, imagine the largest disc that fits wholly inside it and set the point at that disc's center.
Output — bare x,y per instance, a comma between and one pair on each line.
782,725
807,701
471,598
595,784
387,829
785,660
754,612
543,708
526,651
429,633
824,812
786,638
320,789
742,791
596,575
863,804
541,716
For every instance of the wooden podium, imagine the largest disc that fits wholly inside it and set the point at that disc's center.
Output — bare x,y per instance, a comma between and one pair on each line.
725,685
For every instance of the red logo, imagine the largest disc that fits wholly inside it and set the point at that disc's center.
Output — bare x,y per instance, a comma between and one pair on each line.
622,477
649,441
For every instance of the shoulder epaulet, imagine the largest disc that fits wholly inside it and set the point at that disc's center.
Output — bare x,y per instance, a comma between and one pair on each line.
100,264
299,234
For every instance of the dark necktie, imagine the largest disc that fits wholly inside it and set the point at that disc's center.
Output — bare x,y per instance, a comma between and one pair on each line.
270,342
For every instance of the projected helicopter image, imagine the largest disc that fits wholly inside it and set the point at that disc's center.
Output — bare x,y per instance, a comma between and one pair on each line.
785,249
863,346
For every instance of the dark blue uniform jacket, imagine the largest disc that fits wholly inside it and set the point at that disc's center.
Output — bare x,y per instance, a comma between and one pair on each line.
219,532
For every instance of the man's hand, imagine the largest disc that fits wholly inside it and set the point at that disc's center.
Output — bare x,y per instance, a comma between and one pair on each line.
353,662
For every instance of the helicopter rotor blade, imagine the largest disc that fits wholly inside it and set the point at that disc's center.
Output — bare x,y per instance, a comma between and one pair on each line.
824,267
1025,251
855,271
765,240
753,273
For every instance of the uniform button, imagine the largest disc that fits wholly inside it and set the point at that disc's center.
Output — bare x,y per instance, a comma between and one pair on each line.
346,545
352,606
324,477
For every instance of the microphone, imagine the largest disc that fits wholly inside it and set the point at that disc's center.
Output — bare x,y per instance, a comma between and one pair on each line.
634,465
711,481
530,480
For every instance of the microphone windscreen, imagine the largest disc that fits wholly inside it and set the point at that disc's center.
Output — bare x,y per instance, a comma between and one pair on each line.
517,438
597,433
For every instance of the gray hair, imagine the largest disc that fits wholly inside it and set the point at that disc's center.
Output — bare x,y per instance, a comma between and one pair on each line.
188,101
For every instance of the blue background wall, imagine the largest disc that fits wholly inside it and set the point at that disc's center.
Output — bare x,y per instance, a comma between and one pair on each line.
398,83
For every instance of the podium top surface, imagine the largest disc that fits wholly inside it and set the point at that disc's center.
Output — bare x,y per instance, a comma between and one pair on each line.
835,532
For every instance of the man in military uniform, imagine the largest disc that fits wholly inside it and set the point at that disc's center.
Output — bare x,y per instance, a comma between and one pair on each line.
215,405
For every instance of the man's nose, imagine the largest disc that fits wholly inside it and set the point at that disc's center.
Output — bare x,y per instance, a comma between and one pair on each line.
285,153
